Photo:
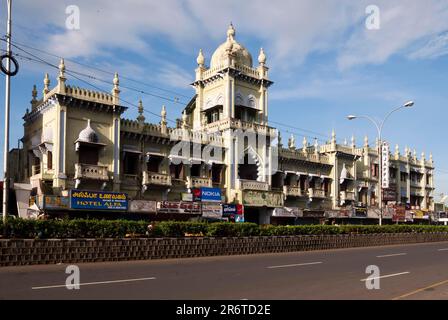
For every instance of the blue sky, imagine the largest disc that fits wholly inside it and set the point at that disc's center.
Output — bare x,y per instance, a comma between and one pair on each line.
324,61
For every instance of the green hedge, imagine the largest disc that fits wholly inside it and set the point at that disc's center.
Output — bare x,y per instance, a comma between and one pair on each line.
81,228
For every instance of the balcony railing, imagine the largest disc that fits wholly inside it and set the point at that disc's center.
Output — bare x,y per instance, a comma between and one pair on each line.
316,193
198,182
155,178
292,191
36,170
90,171
347,196
254,185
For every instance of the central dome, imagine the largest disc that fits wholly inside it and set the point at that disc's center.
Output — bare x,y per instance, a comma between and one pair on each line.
240,54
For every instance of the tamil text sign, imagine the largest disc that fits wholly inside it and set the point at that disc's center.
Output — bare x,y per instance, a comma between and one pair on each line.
92,200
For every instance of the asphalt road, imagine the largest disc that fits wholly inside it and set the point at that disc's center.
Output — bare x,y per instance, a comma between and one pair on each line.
417,271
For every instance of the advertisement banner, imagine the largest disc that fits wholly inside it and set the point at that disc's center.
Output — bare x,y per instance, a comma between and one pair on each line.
55,202
229,209
187,197
389,195
93,200
178,207
143,206
286,212
313,214
257,198
211,210
360,213
210,194
385,165
400,214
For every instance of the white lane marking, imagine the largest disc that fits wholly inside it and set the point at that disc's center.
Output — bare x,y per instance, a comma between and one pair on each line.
392,255
444,249
94,283
386,276
294,265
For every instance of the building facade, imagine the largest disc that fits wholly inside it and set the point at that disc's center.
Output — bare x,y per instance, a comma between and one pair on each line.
77,139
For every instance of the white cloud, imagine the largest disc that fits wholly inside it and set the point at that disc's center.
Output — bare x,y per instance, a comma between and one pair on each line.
402,24
289,30
434,48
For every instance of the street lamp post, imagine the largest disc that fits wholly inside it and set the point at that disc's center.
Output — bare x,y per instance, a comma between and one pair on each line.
6,174
379,127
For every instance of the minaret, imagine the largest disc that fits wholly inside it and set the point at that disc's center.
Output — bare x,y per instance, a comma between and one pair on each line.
353,142
34,97
163,122
141,117
397,152
61,77
46,86
316,146
366,142
116,90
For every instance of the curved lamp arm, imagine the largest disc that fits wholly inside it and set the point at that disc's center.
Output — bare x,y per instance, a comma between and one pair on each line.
377,126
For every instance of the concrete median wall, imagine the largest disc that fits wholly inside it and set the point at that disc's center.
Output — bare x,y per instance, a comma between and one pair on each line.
28,251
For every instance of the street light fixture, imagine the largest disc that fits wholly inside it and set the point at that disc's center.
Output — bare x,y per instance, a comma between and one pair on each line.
379,126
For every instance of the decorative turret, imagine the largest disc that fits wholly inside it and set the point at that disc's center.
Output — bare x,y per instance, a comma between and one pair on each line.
163,122
200,59
262,69
415,155
316,146
46,86
61,77
304,144
141,117
431,160
397,152
353,141
423,159
292,142
333,138
184,120
366,142
345,142
34,97
262,57
116,90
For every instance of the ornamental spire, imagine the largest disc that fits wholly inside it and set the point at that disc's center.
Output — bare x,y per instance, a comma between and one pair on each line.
141,117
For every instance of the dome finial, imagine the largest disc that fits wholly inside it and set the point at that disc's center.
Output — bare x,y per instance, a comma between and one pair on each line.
200,59
262,57
231,31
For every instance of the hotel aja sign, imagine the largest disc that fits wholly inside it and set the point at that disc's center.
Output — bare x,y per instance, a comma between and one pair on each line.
92,200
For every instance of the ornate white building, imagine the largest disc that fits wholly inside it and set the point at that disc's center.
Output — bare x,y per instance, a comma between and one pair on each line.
77,139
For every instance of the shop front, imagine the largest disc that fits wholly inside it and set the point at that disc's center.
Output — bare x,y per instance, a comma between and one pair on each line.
285,215
259,205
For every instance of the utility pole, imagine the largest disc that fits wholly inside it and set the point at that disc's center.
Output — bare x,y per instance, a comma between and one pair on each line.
7,107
